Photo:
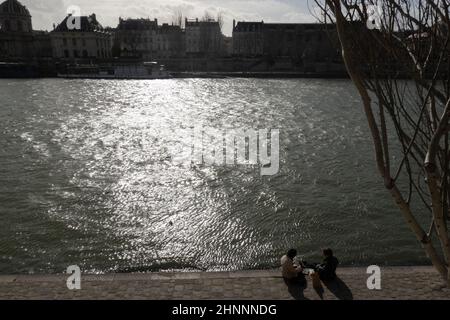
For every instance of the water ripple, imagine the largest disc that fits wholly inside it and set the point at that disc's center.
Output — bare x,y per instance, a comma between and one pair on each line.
87,177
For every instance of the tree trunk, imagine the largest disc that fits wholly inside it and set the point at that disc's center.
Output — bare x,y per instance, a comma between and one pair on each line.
420,234
404,207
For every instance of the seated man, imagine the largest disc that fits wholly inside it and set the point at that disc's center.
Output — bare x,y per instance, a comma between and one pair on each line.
327,270
291,272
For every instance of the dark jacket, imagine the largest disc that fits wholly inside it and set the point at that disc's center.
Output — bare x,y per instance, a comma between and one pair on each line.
327,270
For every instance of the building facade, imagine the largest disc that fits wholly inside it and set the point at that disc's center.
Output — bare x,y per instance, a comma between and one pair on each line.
15,17
169,42
18,40
86,40
203,38
306,41
228,46
268,45
248,39
145,39
136,38
16,31
42,45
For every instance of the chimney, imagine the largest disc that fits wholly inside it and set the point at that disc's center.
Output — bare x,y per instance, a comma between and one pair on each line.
196,20
234,24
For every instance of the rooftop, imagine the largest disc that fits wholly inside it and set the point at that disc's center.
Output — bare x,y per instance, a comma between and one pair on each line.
137,24
195,22
258,25
87,24
14,7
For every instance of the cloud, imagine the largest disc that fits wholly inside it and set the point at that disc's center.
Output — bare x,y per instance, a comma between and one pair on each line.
47,12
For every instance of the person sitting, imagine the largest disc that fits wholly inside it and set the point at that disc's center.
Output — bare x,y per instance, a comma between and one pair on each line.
327,269
291,272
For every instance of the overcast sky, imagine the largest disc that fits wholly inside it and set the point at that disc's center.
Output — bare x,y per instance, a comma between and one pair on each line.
47,12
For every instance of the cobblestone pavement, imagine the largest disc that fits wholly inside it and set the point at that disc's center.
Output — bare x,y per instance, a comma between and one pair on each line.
397,283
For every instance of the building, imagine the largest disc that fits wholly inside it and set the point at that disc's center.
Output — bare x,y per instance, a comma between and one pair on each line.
16,31
169,42
304,41
228,46
42,45
15,17
145,39
248,39
18,40
203,38
136,38
86,40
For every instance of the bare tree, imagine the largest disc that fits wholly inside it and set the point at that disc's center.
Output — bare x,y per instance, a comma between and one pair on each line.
178,18
384,43
207,17
220,20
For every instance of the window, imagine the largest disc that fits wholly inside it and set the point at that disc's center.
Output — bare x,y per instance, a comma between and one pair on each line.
66,53
84,42
7,25
74,41
19,26
85,54
75,53
65,42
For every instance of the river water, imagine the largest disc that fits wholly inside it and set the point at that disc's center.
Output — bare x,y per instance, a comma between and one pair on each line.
87,178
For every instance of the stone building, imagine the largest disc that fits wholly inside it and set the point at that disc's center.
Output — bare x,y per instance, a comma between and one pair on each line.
15,17
304,41
169,42
228,46
145,39
248,38
18,40
42,45
84,40
136,38
203,38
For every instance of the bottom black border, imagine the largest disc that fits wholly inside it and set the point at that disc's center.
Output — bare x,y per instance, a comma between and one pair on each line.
128,310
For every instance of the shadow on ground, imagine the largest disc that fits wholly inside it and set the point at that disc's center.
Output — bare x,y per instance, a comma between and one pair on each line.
339,289
296,288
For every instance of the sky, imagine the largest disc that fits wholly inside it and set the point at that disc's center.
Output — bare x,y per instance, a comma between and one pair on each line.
47,12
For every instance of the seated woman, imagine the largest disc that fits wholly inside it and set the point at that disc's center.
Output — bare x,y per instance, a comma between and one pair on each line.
327,270
291,272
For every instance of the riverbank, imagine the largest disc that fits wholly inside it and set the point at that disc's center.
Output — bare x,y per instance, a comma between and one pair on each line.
398,283
260,75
